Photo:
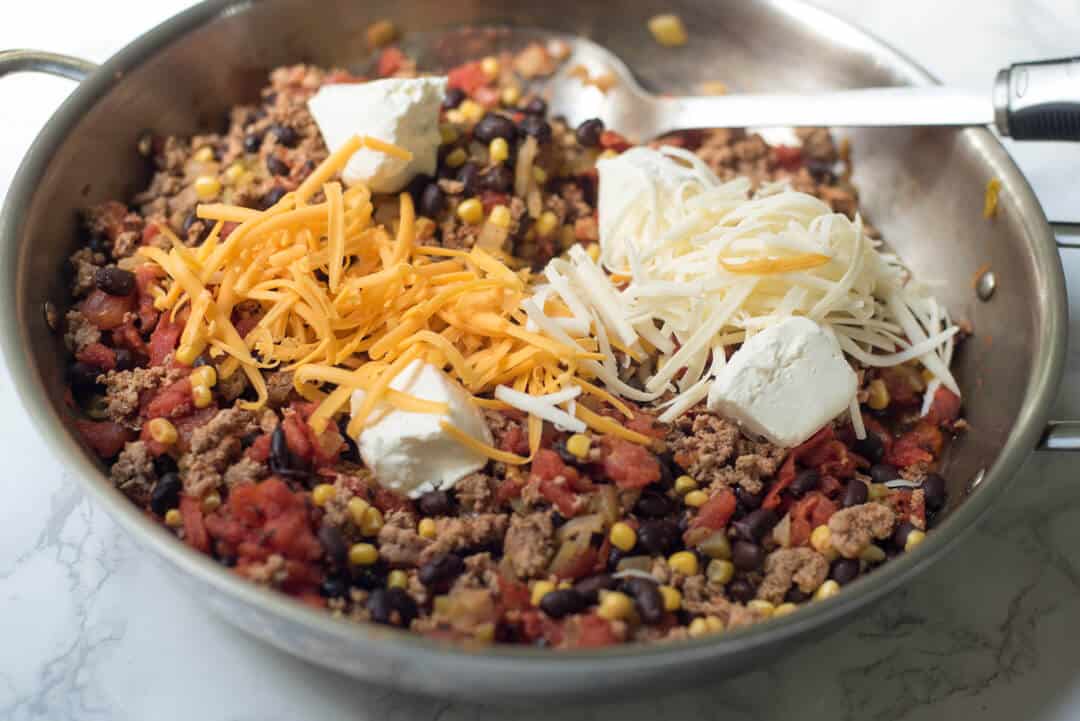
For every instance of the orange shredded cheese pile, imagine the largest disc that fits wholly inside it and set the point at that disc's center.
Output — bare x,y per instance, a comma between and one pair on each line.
348,303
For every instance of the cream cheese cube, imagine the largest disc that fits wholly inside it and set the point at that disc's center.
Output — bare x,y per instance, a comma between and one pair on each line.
410,453
785,383
402,111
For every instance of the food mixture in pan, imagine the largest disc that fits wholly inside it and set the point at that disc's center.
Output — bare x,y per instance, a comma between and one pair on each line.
408,349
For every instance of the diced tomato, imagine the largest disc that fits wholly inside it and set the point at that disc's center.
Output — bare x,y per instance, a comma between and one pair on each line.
566,501
628,464
787,157
645,424
186,425
296,436
513,595
468,77
263,518
341,77
149,232
509,489
490,198
832,458
106,311
610,140
386,500
787,472
105,437
260,449
194,527
146,275
815,507
156,449
128,336
588,631
227,228
715,512
945,408
164,339
548,465
390,61
97,355
919,445
172,401
514,440
109,216
904,384
486,96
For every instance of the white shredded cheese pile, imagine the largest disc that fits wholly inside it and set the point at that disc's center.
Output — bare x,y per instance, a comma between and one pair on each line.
699,265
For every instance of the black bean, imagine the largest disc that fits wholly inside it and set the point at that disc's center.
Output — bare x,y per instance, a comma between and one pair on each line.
441,571
369,577
900,535
99,243
276,165
114,281
591,587
436,503
751,501
333,587
669,470
282,460
844,570
747,556
272,196
754,525
934,490
653,504
535,106
454,97
378,605
647,599
536,127
589,132
416,187
855,494
805,481
796,595
822,172
334,544
658,537
499,179
252,143
882,472
613,557
351,452
166,493
164,464
83,376
741,590
285,134
558,520
469,176
404,604
871,448
492,126
562,602
432,201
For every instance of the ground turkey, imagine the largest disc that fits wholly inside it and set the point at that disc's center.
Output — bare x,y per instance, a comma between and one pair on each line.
80,332
399,543
702,443
530,544
84,263
133,473
853,528
214,447
461,534
476,493
124,391
804,566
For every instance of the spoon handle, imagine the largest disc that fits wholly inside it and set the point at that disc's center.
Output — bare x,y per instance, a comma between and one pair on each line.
1039,100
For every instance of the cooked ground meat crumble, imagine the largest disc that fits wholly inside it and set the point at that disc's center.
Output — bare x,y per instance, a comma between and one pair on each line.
597,541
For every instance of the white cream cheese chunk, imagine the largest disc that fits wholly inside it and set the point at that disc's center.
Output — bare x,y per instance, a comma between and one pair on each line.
410,453
402,111
785,383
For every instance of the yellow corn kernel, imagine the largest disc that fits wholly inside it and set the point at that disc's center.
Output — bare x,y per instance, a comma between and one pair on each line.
173,519
448,133
211,502
714,624
720,571
202,396
546,224
668,30
357,507
827,590
684,562
363,554
489,66
455,116
877,491
872,554
484,633
499,150
579,445
539,175
471,211
510,95
567,237
234,172
186,354
426,528
207,187
672,598
563,585
685,484
714,87
500,216
914,539
696,499
204,376
761,607
397,579
614,606
877,395
622,536
457,158
204,154
372,522
821,539
323,494
697,627
163,431
471,111
539,590
784,609
440,605
608,154
927,375
594,251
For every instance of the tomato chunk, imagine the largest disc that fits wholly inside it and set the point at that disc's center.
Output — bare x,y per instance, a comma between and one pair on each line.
715,512
194,528
105,437
107,311
628,464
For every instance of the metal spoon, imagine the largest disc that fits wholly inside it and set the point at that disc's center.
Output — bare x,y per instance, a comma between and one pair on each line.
1030,101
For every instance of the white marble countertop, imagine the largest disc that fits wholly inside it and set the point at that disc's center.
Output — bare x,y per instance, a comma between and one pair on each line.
92,629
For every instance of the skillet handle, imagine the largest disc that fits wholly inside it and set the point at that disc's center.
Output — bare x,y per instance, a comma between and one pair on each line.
39,61
1039,100
1063,435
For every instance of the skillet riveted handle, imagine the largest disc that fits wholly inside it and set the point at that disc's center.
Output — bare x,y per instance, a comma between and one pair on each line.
1039,100
39,61
1063,435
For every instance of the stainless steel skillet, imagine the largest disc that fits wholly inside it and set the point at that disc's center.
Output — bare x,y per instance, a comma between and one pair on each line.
923,187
